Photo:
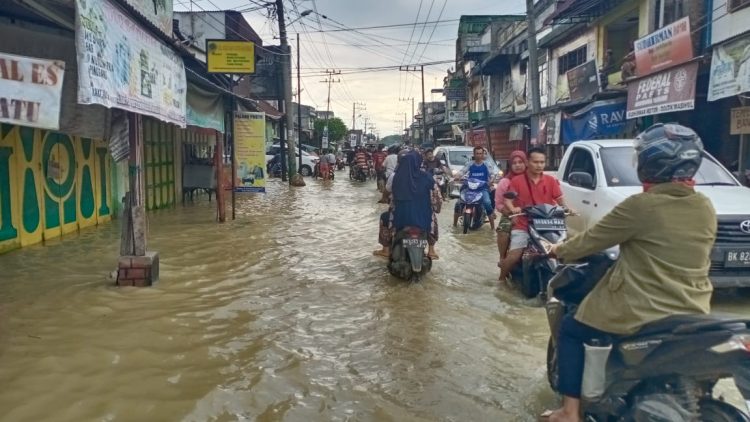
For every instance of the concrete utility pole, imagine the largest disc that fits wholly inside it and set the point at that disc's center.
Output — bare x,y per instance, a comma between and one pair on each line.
299,108
329,80
286,75
420,69
533,67
355,106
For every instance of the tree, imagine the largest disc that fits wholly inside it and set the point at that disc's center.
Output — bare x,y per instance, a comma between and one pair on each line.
337,130
391,139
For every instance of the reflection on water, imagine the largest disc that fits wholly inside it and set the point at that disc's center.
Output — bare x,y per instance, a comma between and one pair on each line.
283,314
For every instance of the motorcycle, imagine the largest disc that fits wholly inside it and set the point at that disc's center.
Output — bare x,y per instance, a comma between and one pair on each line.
441,181
470,206
408,259
546,224
357,173
665,372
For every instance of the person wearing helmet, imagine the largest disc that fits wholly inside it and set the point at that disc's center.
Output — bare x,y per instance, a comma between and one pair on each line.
665,236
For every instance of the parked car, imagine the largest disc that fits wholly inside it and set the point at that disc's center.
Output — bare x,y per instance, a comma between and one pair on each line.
456,158
597,175
308,160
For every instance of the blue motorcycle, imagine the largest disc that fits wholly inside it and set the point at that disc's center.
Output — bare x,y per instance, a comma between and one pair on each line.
470,206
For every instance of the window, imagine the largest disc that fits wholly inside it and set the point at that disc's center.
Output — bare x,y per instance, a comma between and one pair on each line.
620,169
581,161
738,4
572,59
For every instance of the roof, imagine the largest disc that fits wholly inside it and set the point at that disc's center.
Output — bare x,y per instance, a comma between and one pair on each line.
271,111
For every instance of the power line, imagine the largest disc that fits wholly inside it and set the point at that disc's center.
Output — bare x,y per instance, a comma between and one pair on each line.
362,28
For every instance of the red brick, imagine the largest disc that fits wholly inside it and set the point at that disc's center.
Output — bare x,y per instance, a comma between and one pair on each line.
136,273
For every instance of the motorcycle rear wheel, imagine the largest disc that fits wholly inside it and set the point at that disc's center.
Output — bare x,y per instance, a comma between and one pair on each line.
553,376
467,223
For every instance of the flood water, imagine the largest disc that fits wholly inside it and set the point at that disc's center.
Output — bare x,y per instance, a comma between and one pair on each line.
282,314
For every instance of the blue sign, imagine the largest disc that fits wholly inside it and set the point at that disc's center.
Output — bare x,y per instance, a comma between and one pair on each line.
600,119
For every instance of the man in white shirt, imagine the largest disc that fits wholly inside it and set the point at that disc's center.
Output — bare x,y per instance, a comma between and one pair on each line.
391,161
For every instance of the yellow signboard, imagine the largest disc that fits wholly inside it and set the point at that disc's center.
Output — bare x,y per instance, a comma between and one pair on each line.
250,152
224,56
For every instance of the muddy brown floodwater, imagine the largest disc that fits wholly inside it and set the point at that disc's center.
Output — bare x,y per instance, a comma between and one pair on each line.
282,314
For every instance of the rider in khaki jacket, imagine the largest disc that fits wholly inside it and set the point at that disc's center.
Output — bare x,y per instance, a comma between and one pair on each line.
665,236
654,277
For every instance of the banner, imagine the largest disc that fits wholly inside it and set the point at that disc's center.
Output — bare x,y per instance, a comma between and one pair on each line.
30,91
158,12
664,92
599,120
730,69
455,116
204,108
583,81
121,65
250,144
664,48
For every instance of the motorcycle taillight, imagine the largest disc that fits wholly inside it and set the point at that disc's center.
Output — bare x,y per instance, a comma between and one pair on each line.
413,232
736,342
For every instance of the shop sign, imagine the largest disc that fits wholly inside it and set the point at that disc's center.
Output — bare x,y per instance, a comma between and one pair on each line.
250,141
740,122
730,70
667,47
455,94
158,12
457,117
30,91
664,92
599,120
583,81
265,83
121,65
230,57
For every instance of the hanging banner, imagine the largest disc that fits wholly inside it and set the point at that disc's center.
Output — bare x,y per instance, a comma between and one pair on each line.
664,48
599,120
664,92
250,143
730,69
158,12
121,65
204,108
30,91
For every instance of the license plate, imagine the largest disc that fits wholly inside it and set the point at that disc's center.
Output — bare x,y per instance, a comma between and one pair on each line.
419,243
738,258
550,221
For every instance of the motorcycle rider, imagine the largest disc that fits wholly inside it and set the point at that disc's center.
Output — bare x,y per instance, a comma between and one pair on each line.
516,166
360,160
533,188
415,203
477,169
665,236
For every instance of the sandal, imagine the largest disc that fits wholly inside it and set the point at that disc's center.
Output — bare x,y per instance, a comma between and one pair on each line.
381,253
545,415
433,257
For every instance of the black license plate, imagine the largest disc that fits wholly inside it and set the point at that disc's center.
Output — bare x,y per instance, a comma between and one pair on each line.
420,243
737,258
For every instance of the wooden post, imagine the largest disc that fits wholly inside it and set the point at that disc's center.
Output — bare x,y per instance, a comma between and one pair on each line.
136,266
221,212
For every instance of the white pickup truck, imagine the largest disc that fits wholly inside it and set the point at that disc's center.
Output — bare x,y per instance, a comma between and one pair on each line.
597,175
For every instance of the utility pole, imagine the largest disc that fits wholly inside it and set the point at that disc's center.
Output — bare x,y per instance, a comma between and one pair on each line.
533,66
420,69
412,105
299,109
361,107
329,80
286,76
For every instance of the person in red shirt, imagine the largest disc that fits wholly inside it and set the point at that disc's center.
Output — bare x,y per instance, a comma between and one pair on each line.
378,161
533,188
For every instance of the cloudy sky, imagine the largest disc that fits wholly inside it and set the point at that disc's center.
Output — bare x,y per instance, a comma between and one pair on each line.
350,50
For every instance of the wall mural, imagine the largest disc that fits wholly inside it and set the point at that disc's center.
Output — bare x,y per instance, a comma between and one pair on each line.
51,184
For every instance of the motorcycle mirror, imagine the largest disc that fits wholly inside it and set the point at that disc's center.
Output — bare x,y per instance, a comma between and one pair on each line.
443,162
510,195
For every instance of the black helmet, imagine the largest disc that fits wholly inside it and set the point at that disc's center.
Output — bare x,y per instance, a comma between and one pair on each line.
667,152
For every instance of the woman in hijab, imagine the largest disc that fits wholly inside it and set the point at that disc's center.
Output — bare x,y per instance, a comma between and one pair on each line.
412,204
516,166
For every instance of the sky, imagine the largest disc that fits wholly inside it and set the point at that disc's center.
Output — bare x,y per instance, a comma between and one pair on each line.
381,92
